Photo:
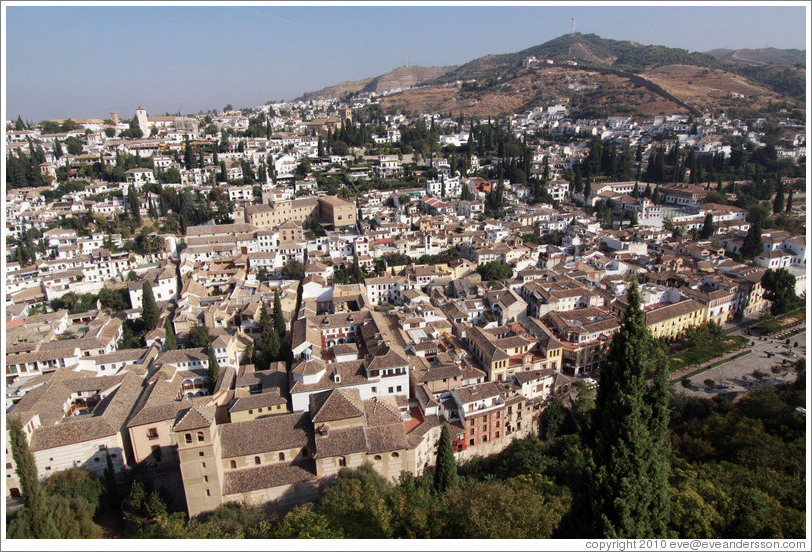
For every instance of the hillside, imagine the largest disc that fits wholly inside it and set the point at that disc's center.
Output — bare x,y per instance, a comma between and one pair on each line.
761,56
611,77
402,77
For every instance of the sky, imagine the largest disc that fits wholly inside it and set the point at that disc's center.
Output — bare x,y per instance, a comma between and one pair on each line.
85,61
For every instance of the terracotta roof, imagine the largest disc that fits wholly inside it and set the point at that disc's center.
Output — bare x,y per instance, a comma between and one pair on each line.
339,404
286,431
264,477
195,418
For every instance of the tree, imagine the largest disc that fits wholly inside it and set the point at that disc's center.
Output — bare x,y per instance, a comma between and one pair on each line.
552,419
293,270
171,341
707,227
134,204
357,503
789,199
149,308
304,522
445,473
278,316
779,287
494,271
74,145
35,518
752,246
214,370
778,202
625,487
75,483
199,337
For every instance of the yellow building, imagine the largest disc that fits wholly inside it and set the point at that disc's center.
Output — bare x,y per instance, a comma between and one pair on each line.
671,321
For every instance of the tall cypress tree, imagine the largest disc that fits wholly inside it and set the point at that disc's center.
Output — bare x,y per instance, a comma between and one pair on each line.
752,244
778,202
36,516
214,369
278,317
171,341
445,472
789,200
707,227
625,493
149,308
266,326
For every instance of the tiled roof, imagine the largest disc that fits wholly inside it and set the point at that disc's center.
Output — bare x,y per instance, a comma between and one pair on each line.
264,477
286,431
195,418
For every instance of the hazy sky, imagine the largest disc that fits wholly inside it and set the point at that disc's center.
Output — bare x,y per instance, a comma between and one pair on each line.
87,61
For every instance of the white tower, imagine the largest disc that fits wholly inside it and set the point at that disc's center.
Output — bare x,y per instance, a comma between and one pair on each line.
141,118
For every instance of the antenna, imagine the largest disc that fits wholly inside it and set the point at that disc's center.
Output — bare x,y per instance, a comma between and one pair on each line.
573,25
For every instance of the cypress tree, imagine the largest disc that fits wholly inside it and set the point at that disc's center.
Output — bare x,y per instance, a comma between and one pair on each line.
266,325
625,487
278,317
214,369
35,515
110,487
707,227
445,472
789,200
149,308
778,202
171,341
752,245
134,204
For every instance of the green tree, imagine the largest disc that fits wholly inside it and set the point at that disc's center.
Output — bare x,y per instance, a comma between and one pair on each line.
134,204
75,483
445,473
707,227
778,202
199,336
790,199
278,316
626,479
305,522
494,271
74,145
35,520
779,287
214,369
752,246
150,313
552,419
171,341
357,503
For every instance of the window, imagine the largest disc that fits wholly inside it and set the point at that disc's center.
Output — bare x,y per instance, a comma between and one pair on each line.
472,442
391,389
203,464
208,492
200,453
377,457
341,461
206,478
281,456
395,455
250,411
188,437
199,436
152,433
257,460
399,388
233,464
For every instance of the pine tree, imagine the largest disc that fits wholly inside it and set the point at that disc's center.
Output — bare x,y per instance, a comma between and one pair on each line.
707,227
149,308
214,369
36,516
171,341
445,472
278,316
625,487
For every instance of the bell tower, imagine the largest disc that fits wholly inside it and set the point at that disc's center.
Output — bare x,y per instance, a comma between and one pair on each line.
200,465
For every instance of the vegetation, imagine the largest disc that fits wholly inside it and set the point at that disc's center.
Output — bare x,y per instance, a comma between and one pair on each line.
445,474
494,271
779,287
150,313
624,493
703,343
